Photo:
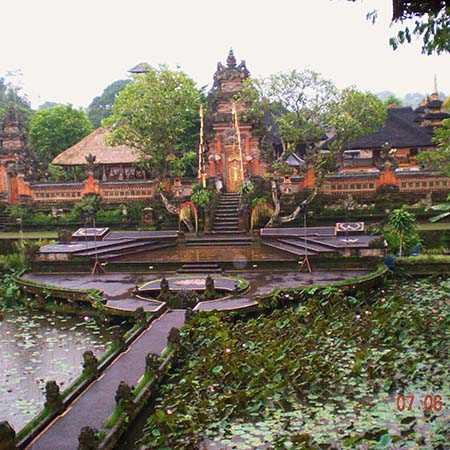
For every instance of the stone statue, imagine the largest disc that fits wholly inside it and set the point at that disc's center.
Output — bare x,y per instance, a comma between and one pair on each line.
90,364
53,398
7,436
88,439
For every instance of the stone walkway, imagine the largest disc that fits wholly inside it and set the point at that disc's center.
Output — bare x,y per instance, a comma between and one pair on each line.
95,405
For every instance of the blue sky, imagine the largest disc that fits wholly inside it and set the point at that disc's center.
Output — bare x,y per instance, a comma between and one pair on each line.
68,51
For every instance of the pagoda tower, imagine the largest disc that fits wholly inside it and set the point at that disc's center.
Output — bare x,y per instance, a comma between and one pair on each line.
431,112
14,157
233,149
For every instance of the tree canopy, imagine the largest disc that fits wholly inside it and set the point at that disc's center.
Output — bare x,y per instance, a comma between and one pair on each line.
11,95
56,129
353,115
439,158
427,20
297,101
158,115
101,107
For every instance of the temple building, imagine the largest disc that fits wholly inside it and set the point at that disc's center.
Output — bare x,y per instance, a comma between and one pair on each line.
112,163
404,134
233,147
230,153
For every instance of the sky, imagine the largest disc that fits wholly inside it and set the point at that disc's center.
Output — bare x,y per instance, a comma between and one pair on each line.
68,51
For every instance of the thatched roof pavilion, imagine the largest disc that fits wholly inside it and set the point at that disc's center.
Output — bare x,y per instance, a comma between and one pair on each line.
96,145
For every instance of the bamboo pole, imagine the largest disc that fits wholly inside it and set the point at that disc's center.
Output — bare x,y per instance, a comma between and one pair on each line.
238,134
201,168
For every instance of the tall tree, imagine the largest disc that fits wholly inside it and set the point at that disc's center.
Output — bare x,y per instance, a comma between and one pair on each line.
158,115
55,129
353,115
101,107
296,101
439,158
428,20
10,94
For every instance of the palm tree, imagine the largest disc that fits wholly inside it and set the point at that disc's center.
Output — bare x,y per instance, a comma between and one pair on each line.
402,222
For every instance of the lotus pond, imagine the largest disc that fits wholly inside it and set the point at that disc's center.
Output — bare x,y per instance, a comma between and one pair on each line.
368,371
36,348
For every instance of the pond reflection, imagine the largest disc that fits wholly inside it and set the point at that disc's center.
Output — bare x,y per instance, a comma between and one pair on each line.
37,347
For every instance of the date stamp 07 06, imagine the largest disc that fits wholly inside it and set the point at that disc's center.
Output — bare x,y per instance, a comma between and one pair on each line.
428,403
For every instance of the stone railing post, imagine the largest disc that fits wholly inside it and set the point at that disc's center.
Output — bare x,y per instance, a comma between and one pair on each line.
174,337
88,439
152,363
189,314
124,398
53,398
164,290
139,316
118,339
90,364
209,288
7,437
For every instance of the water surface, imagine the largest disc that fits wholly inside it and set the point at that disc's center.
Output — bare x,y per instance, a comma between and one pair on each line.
37,347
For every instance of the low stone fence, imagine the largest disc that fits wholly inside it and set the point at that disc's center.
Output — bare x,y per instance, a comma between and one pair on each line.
424,264
289,296
42,291
91,298
57,402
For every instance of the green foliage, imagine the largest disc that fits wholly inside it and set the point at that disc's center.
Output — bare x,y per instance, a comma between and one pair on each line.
403,227
56,129
10,95
185,166
282,168
427,20
158,115
56,173
297,102
354,114
200,196
86,208
392,100
438,159
431,23
101,107
323,375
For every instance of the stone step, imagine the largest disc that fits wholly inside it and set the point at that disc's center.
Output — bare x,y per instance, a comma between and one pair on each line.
226,219
226,228
300,243
288,248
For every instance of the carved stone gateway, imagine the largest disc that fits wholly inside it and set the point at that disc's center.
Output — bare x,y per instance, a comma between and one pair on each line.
233,147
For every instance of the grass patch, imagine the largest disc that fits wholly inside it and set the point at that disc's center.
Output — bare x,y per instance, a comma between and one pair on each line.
28,235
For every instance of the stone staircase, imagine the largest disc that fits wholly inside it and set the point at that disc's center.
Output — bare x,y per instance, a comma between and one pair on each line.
226,217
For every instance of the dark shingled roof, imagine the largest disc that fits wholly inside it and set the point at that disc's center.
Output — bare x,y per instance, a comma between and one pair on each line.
399,130
140,68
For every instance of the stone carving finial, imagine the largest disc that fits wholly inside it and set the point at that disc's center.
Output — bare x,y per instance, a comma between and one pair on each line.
231,60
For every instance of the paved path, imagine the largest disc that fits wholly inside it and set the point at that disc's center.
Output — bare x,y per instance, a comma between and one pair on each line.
95,405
